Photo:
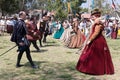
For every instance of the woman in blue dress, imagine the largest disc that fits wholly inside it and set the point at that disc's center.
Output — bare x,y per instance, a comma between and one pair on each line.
59,30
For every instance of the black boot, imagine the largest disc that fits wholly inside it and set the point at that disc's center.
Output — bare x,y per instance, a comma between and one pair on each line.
18,60
40,43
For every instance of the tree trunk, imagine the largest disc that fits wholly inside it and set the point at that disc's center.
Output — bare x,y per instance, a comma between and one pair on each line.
21,4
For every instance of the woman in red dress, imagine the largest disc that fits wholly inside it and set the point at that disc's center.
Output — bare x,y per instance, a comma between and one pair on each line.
114,31
95,58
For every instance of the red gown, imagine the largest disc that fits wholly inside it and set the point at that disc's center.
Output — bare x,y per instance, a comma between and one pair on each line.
114,33
95,58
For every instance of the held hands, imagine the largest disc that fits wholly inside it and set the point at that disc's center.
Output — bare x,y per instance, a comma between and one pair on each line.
35,33
98,20
88,42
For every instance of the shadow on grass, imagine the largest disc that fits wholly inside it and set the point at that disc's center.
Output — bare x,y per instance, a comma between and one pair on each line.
41,51
47,71
48,45
51,43
55,71
35,62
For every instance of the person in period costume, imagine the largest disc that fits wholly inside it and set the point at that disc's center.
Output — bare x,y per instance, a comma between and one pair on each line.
46,32
118,32
50,27
65,38
2,26
95,58
10,25
21,41
33,33
44,29
108,29
77,38
114,30
59,30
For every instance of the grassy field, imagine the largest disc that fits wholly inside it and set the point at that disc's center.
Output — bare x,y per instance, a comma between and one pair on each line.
56,62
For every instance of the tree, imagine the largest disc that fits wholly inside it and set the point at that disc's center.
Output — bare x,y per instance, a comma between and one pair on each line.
58,7
98,3
21,4
8,6
75,5
35,4
60,13
106,9
102,5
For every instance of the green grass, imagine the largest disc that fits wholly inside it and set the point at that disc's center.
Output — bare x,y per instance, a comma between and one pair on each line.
56,62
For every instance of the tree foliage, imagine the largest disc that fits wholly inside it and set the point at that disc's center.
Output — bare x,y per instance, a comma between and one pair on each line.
60,12
75,5
61,8
9,6
104,6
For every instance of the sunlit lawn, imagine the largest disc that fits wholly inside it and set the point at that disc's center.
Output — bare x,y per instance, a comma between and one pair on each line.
55,60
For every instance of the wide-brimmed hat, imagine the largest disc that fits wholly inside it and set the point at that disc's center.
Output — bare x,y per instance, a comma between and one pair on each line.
95,11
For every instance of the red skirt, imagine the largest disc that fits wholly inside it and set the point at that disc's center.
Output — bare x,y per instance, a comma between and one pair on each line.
95,58
114,35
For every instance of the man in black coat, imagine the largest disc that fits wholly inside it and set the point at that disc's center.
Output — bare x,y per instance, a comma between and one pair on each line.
44,29
21,41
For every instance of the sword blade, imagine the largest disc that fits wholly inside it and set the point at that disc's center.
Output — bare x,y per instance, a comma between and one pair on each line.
8,50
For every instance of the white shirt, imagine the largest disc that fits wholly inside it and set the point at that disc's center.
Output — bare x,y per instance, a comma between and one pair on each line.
9,22
2,22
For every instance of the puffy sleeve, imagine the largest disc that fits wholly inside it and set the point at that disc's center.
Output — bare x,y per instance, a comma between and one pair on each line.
98,29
